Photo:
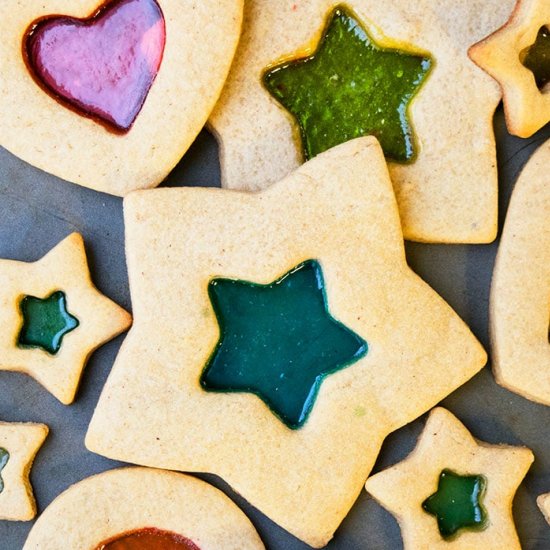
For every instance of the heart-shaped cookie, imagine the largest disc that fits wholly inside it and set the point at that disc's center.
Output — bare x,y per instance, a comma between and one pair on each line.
150,69
103,66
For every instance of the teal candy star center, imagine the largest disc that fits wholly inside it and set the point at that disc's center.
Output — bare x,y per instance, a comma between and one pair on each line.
457,503
4,457
351,87
45,322
278,341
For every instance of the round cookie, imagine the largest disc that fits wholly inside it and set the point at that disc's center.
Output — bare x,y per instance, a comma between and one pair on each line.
449,193
123,503
520,291
200,40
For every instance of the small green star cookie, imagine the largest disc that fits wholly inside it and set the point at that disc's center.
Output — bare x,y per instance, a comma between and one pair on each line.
468,485
45,322
351,87
263,331
53,317
457,503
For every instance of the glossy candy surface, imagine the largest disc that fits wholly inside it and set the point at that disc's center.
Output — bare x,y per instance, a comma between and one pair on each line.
104,66
278,341
4,457
537,58
148,539
351,87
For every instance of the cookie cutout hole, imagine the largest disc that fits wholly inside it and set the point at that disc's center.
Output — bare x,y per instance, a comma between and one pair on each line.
148,539
103,66
278,341
351,87
457,504
45,322
537,59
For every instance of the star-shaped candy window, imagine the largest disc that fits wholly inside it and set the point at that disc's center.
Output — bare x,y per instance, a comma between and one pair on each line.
45,322
537,58
351,87
278,341
4,457
457,503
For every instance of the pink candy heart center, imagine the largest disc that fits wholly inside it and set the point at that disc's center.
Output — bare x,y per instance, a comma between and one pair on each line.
103,66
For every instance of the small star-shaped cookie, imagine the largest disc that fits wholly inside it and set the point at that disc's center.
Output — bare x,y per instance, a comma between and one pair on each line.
453,491
19,444
261,350
53,317
331,213
329,91
503,55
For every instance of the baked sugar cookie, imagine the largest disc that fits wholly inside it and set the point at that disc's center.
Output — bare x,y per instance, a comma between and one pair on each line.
310,74
544,504
110,95
142,509
279,347
520,291
53,317
19,444
453,491
518,56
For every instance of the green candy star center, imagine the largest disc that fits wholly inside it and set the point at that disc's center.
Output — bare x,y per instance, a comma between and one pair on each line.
4,457
537,58
351,87
457,503
45,322
278,341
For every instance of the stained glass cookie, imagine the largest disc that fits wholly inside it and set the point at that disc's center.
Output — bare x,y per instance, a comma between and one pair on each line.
273,330
143,509
310,74
520,290
517,55
19,444
53,317
453,491
111,95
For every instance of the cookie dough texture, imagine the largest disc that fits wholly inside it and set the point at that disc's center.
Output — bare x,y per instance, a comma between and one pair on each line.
64,268
22,442
201,37
446,444
526,107
520,291
128,499
450,193
340,210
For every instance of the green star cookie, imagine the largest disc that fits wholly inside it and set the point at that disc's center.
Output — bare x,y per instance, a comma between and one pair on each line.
351,87
278,341
457,503
537,58
45,322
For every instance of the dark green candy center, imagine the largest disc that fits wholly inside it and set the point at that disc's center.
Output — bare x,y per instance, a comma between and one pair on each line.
4,457
537,58
457,503
45,322
351,87
278,341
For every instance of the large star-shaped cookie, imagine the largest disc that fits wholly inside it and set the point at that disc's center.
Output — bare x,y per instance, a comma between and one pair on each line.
449,193
19,444
520,288
476,503
340,211
53,317
502,55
